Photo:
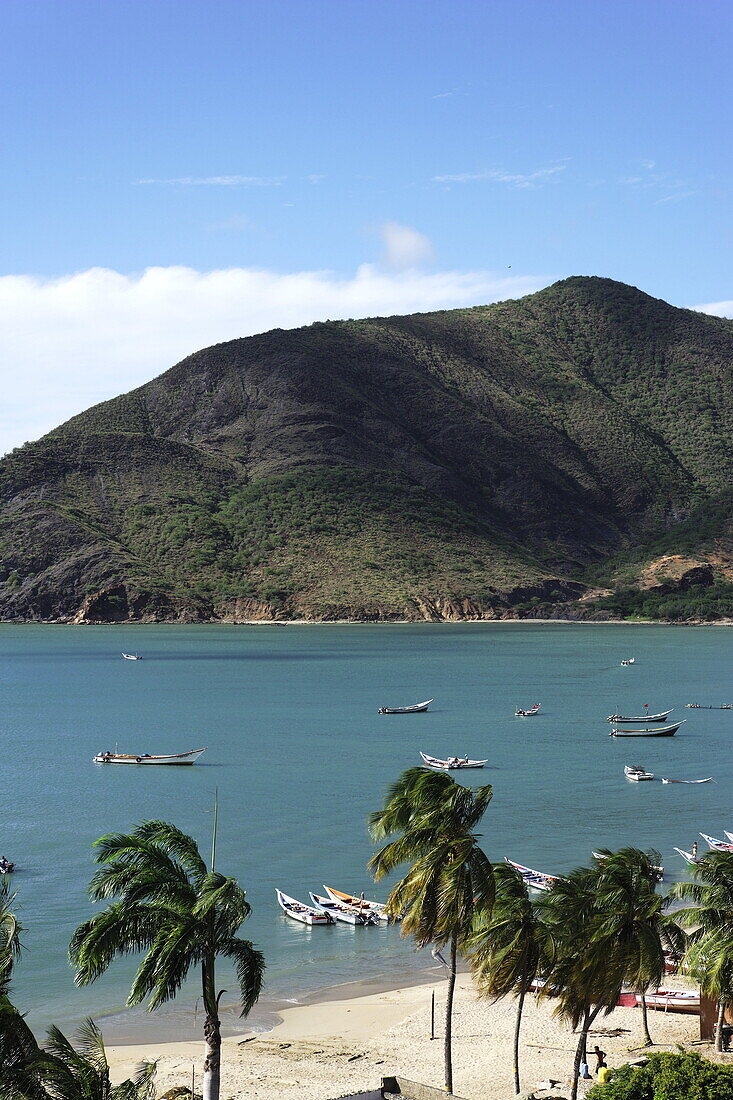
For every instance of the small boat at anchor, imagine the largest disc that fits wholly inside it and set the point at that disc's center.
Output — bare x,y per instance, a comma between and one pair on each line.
717,845
534,709
658,871
658,731
451,763
689,858
304,914
708,780
146,758
6,866
347,914
638,774
535,880
661,717
629,661
132,656
418,708
672,1000
360,903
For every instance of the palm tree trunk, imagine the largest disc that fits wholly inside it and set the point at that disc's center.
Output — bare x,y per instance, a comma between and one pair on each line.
212,1035
517,1026
719,1028
580,1053
447,1051
645,1022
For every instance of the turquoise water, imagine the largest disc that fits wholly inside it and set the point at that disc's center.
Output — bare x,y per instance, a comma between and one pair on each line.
300,757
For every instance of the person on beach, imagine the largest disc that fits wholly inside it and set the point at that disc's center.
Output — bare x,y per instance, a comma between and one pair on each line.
600,1057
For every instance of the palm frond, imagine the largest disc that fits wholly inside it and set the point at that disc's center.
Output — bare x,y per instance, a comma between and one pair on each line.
249,964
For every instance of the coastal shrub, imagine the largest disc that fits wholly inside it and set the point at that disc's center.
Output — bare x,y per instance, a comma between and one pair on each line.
668,1077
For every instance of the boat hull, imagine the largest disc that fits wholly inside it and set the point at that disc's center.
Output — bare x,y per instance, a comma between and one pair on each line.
672,1000
176,760
661,731
419,708
303,914
360,904
451,765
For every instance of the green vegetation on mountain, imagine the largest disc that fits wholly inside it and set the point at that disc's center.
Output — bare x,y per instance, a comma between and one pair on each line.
478,462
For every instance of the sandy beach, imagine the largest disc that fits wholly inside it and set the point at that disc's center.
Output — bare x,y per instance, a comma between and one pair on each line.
338,1046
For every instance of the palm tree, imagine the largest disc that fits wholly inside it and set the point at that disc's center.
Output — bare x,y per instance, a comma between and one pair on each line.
449,879
17,1042
508,946
633,920
710,918
183,915
62,1071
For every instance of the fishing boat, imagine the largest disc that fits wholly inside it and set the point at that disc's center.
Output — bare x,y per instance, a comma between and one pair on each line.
717,845
699,706
729,835
661,717
132,656
520,713
672,1000
418,708
347,914
304,914
708,780
637,773
658,871
360,903
146,758
6,867
535,880
629,661
452,762
689,858
659,731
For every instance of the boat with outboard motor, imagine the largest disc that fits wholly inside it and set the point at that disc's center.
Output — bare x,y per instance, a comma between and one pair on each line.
661,717
6,866
132,656
361,903
530,713
418,708
638,774
146,758
304,914
658,731
451,763
535,880
629,661
347,914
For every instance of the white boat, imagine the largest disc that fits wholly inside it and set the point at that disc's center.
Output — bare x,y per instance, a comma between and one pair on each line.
146,758
658,871
689,858
418,708
729,835
717,845
304,914
452,762
132,656
672,1000
663,714
708,780
530,713
347,914
361,903
649,731
637,773
629,661
535,880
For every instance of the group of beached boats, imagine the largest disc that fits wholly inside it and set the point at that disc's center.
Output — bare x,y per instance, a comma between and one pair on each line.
335,906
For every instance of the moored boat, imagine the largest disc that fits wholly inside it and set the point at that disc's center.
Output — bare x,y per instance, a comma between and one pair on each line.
708,780
672,1000
452,762
717,845
689,858
661,717
629,661
530,713
146,758
6,866
638,774
304,914
658,871
132,656
535,880
347,914
418,708
658,731
361,903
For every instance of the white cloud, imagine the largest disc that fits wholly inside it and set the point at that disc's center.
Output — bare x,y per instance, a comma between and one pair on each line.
70,342
716,309
497,175
220,181
404,247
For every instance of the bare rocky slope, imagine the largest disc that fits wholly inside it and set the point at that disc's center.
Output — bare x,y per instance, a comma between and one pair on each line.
532,457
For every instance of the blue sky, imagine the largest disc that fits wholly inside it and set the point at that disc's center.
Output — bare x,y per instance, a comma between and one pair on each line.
341,157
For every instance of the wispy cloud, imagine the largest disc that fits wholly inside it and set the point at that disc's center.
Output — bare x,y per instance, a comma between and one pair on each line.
649,179
218,181
86,337
404,247
315,177
716,309
498,175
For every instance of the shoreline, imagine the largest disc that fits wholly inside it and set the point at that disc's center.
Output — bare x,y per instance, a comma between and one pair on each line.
374,622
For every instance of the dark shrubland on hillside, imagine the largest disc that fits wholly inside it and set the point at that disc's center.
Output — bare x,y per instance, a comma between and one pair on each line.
566,454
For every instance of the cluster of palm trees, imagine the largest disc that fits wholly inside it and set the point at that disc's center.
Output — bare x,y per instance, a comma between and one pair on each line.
597,931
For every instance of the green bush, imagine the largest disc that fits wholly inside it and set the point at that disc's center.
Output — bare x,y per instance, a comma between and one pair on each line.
668,1077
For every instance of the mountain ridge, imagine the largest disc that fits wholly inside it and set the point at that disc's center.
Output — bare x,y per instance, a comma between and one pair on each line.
481,458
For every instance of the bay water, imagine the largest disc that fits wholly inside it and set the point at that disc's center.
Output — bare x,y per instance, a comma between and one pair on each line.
300,756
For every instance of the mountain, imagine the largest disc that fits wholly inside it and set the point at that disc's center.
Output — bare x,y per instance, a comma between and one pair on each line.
556,455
